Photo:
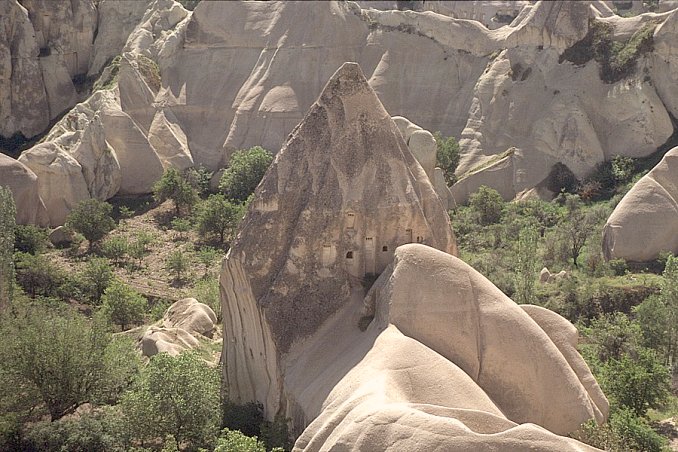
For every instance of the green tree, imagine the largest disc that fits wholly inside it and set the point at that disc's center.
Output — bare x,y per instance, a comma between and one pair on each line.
115,248
58,361
217,215
123,305
488,204
234,441
245,171
175,395
30,238
208,256
38,276
447,156
7,227
91,218
177,263
182,226
669,298
578,228
173,186
526,265
95,278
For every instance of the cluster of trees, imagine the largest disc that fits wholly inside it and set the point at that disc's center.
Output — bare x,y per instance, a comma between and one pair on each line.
217,214
628,321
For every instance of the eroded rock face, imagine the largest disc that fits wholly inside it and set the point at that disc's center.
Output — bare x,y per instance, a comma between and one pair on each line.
433,355
341,195
645,222
44,45
450,360
23,183
179,329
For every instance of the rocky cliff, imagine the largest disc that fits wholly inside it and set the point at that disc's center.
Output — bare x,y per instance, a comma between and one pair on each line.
311,335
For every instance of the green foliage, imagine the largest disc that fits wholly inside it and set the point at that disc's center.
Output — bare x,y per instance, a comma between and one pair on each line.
91,218
173,186
181,225
174,395
89,433
56,361
206,291
38,276
447,156
526,265
489,205
235,441
245,171
115,248
199,178
178,264
95,279
30,238
617,59
624,432
246,418
219,216
122,305
637,383
208,256
7,229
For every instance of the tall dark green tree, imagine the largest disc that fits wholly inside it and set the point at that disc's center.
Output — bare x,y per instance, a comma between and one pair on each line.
7,226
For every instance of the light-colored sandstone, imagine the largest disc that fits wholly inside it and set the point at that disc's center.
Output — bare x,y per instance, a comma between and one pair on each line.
645,222
433,356
23,183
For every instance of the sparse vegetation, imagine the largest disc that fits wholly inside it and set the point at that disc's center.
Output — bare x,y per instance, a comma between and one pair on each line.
447,156
174,187
617,60
7,228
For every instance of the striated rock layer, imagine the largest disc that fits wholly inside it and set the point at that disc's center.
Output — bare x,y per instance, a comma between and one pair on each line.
433,355
645,222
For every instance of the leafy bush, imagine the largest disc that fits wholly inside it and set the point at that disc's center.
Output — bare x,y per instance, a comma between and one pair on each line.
624,432
37,276
7,240
488,203
31,239
91,218
115,248
89,433
447,156
219,216
199,178
122,305
174,395
95,279
57,361
245,171
178,263
207,291
173,186
235,441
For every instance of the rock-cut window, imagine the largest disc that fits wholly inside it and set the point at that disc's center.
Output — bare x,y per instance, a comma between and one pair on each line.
384,248
349,255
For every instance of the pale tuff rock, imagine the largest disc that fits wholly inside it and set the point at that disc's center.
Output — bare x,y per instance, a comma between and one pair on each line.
61,236
61,182
546,277
182,325
341,195
423,146
23,183
645,222
43,46
448,362
117,19
433,356
192,316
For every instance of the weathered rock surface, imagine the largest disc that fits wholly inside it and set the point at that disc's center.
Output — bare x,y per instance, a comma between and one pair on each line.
423,146
192,316
61,236
433,355
645,222
43,46
452,361
23,183
341,195
179,329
